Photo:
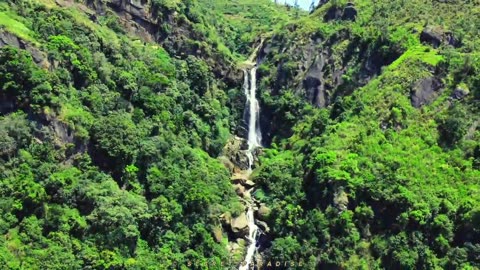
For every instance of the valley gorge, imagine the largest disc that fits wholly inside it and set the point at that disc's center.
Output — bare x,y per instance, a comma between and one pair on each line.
195,134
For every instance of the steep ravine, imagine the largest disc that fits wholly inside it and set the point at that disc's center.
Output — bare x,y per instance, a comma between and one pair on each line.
242,154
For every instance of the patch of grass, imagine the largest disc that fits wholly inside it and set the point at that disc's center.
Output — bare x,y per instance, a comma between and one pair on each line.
420,52
13,24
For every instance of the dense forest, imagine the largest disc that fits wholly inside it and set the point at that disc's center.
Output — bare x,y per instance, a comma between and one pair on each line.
121,126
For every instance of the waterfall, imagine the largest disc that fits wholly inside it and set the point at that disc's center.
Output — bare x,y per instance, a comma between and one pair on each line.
254,141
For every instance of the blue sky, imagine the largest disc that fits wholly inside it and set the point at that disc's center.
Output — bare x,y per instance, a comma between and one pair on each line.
305,4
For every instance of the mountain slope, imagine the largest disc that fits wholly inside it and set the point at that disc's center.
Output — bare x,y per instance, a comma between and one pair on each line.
372,110
108,140
113,113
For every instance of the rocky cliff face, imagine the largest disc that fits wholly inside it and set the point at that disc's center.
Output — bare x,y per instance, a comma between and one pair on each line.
174,30
318,69
8,39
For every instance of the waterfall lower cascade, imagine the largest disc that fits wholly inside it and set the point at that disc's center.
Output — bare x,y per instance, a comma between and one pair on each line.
254,141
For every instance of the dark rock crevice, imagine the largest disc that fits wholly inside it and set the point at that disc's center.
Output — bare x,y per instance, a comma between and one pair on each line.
316,71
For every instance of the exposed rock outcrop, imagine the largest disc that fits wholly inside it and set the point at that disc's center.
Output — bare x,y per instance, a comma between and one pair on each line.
227,163
263,226
460,92
236,151
316,68
9,39
348,13
314,83
436,36
171,30
263,212
239,225
240,190
425,91
340,199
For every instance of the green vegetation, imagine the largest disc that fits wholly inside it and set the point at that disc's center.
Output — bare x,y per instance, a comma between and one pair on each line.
104,160
110,125
368,181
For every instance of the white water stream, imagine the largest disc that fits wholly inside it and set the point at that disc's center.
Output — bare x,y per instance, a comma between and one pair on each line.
254,141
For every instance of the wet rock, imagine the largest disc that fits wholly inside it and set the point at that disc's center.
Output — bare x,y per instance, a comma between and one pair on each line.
263,226
239,225
240,159
249,184
425,91
314,84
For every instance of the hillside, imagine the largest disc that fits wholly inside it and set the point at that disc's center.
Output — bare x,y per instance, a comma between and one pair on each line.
372,110
121,126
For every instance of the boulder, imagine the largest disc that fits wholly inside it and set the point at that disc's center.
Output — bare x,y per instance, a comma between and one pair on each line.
9,39
263,212
263,226
232,246
425,91
431,36
239,225
235,151
436,36
240,159
333,13
249,184
239,178
349,13
240,190
226,219
451,40
460,92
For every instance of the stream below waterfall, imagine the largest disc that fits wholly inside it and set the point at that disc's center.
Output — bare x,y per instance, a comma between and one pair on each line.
254,140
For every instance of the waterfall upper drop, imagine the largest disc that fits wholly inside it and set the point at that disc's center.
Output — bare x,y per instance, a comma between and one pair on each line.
254,140
254,132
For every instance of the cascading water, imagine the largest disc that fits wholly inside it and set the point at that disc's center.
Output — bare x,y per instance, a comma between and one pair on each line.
254,141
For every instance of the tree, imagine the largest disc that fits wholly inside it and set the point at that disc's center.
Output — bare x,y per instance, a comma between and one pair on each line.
116,140
312,6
